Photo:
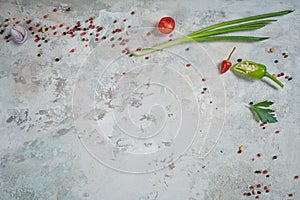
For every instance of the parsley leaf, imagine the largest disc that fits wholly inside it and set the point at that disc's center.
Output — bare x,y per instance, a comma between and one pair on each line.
263,113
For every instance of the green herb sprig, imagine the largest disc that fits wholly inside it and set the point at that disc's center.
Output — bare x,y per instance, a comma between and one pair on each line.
264,114
211,33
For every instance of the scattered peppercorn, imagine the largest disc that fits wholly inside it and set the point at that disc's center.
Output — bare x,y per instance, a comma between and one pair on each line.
275,61
241,149
258,155
274,157
39,55
56,59
239,60
272,50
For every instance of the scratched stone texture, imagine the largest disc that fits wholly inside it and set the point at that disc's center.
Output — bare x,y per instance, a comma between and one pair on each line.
98,124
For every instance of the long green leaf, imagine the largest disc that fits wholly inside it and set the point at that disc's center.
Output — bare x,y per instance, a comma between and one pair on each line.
246,19
231,38
260,23
226,30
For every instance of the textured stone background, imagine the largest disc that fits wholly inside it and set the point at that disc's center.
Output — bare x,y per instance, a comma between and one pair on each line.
42,156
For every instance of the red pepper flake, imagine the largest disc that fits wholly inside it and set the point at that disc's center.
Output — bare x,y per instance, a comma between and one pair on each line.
78,23
267,191
37,24
37,39
281,74
124,20
286,77
113,45
7,40
17,22
61,25
265,171
290,195
132,12
28,21
203,79
257,172
188,65
149,33
5,25
83,33
257,197
124,73
54,10
139,49
30,28
262,124
97,34
54,33
147,57
97,39
266,187
91,19
67,28
296,177
86,45
53,27
277,131
258,185
72,50
251,187
285,56
118,30
68,9
45,16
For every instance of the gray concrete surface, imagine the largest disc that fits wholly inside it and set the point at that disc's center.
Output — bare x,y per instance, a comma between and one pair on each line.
97,124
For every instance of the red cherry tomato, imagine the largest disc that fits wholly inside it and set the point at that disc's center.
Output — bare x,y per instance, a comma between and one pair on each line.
166,25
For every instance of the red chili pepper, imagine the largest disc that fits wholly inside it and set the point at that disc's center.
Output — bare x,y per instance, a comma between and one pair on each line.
226,64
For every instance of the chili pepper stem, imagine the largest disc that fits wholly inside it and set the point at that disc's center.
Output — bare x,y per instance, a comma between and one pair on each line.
274,79
231,53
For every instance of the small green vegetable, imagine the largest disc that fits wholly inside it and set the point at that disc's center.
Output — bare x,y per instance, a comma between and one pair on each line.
211,33
263,113
254,70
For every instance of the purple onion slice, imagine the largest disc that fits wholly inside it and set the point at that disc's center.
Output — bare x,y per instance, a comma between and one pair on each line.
19,34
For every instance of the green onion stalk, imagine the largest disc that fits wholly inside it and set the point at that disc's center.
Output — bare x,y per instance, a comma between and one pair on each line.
214,32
